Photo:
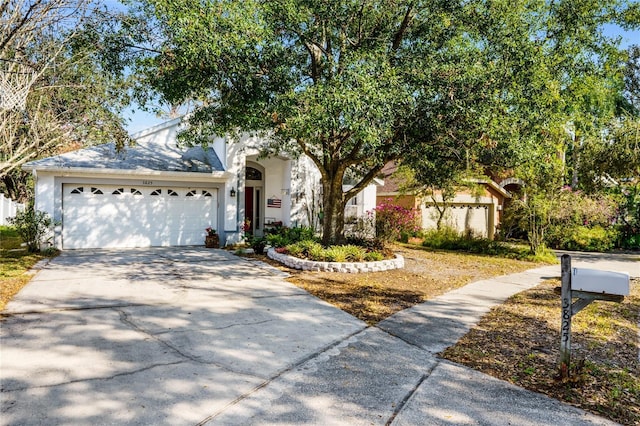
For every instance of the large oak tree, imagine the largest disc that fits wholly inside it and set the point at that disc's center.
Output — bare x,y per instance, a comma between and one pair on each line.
442,85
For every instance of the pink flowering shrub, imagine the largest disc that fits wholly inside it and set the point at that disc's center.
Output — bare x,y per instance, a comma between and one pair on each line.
393,220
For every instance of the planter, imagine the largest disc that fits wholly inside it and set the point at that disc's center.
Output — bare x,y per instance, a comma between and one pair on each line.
212,241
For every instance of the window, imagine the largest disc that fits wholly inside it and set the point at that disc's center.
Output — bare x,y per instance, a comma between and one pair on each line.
172,193
96,191
157,192
118,191
135,191
191,193
253,174
206,193
78,190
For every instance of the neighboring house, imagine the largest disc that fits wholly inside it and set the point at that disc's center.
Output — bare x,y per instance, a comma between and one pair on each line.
477,211
158,194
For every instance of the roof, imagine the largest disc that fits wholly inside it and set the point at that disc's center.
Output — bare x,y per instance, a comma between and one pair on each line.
392,184
140,157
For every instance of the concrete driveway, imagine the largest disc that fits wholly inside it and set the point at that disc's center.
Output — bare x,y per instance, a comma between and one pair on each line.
154,336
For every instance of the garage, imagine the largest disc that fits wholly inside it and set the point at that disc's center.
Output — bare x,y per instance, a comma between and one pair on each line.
114,216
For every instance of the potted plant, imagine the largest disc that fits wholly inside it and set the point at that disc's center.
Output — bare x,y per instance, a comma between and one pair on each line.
212,239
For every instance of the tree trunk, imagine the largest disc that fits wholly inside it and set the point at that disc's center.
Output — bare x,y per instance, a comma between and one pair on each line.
333,213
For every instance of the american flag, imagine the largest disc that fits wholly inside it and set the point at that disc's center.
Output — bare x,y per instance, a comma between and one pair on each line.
274,202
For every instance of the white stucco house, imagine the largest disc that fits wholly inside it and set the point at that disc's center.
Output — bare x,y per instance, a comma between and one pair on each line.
156,193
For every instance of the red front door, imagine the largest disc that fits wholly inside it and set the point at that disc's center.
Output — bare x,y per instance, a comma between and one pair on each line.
248,207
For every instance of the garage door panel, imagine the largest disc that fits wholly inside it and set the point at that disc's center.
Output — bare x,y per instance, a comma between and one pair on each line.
116,216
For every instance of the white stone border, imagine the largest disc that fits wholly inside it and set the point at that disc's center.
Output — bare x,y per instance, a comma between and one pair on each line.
346,267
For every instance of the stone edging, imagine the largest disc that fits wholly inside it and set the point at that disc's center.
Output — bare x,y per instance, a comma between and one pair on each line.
347,267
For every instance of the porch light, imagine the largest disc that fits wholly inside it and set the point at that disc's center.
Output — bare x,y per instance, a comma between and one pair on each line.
232,193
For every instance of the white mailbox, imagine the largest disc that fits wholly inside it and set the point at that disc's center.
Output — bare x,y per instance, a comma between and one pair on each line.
597,281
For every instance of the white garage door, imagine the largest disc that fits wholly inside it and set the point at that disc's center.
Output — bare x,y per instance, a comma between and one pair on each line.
135,216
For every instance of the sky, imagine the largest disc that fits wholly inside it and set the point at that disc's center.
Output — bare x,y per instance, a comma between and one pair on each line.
139,120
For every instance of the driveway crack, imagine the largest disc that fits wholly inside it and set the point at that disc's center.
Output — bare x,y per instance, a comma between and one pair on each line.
279,374
91,379
409,394
124,318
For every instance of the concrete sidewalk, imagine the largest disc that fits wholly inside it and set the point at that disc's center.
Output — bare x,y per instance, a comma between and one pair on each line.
203,337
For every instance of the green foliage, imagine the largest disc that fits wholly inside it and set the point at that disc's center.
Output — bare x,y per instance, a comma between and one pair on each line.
304,248
309,249
629,217
33,226
75,98
582,238
447,87
258,244
373,256
449,239
574,220
283,236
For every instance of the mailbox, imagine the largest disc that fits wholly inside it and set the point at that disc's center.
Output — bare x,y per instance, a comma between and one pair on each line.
596,281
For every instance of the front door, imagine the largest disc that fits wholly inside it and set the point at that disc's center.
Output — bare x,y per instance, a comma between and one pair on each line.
248,208
252,210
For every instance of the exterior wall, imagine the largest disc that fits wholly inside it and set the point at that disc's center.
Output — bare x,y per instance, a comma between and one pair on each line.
306,193
407,201
477,214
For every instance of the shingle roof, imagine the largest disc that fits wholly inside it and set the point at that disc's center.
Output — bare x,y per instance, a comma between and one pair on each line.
155,157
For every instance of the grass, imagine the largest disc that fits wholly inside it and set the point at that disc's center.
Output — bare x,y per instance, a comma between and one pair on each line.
15,263
519,342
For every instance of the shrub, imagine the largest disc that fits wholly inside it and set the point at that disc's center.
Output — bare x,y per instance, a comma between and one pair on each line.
312,250
258,244
304,249
628,219
445,238
283,236
450,239
347,253
392,220
33,226
335,254
373,256
582,238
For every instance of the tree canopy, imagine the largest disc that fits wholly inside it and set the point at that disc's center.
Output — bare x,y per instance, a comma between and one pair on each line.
442,85
74,94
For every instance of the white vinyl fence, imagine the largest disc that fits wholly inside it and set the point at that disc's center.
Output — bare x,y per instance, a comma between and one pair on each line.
8,208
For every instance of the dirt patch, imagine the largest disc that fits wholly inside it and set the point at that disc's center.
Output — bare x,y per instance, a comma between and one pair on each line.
519,342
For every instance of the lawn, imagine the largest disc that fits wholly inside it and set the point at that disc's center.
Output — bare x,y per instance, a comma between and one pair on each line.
15,263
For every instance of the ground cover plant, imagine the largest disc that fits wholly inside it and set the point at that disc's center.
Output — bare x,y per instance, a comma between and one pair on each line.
519,342
15,262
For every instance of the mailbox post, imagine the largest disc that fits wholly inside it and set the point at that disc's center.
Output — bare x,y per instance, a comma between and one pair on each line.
586,285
